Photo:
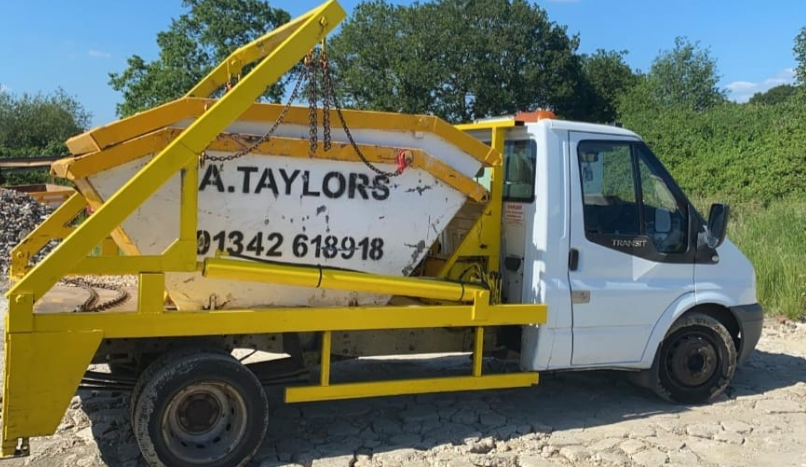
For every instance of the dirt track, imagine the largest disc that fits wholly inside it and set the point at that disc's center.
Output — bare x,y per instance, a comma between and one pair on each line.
569,419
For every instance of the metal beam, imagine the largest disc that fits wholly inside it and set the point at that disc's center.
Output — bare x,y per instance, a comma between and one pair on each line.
12,164
328,278
408,386
271,320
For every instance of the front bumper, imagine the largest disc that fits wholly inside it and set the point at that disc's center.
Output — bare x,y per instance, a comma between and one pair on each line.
751,320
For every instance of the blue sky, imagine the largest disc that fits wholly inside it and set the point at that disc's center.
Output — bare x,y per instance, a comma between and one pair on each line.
75,44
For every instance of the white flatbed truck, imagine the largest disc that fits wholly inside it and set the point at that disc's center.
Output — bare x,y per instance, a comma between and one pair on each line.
565,244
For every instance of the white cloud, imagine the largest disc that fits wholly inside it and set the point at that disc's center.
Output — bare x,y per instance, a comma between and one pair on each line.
99,54
4,88
742,91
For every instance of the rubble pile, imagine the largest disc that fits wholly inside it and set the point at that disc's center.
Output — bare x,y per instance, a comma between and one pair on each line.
19,215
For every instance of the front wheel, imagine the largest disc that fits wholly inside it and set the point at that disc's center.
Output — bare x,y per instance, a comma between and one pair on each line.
696,361
200,409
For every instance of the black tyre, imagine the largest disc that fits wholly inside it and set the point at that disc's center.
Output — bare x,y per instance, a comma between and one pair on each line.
199,409
696,361
155,365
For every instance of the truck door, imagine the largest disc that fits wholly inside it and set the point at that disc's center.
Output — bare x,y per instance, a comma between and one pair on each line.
632,253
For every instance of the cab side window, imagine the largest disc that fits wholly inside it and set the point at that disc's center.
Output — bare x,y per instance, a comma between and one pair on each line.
519,170
626,193
608,188
520,157
665,221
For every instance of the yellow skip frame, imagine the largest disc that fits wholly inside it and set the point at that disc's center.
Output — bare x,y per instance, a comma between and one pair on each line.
47,354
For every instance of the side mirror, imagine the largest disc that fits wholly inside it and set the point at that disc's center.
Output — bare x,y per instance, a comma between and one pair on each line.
717,224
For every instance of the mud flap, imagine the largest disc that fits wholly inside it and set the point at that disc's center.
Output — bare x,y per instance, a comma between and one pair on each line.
42,373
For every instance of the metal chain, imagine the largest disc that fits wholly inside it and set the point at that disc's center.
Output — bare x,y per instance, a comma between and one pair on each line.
323,62
91,304
267,136
313,130
308,76
331,91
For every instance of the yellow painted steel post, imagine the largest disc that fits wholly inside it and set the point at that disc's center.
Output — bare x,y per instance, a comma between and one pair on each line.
109,247
492,232
478,349
324,376
189,203
20,314
151,298
484,238
53,228
42,372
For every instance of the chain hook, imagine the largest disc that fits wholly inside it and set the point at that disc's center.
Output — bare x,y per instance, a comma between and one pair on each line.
404,160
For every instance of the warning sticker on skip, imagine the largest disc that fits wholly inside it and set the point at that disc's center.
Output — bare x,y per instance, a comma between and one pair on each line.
513,214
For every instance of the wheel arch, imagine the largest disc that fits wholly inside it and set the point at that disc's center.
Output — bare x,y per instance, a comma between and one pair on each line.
685,305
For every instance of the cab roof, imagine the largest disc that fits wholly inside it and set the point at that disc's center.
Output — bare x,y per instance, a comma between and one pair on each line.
545,118
584,127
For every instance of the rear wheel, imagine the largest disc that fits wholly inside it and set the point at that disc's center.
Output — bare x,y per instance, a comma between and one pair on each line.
696,361
199,409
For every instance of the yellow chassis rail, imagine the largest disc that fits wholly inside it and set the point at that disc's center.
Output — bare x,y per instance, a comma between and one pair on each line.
46,355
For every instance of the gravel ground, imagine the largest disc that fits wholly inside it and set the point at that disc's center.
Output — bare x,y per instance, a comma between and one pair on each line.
21,214
586,419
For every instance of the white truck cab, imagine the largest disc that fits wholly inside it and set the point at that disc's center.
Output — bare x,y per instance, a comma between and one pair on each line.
595,227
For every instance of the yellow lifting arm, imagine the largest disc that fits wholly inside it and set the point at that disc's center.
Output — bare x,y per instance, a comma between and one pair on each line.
252,52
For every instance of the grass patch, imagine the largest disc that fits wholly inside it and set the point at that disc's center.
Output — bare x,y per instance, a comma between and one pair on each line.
774,239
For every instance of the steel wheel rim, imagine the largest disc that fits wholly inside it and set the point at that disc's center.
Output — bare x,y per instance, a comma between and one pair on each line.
692,361
204,421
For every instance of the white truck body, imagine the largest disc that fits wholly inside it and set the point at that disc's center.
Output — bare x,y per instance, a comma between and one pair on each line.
614,309
604,263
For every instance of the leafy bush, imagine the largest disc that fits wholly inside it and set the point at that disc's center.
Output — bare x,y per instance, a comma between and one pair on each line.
37,125
734,152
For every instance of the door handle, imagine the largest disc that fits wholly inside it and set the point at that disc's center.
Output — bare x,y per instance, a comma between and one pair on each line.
573,259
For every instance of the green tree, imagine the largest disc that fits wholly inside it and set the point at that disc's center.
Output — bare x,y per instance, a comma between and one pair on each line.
609,78
681,84
800,56
774,95
685,76
193,44
458,59
39,124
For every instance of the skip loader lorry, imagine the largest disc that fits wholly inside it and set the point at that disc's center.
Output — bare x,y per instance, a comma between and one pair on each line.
317,234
